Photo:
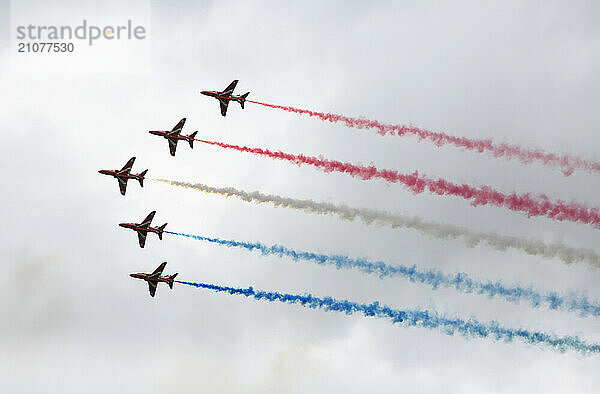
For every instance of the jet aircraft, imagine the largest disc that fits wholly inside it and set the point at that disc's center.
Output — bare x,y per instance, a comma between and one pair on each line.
144,228
226,96
124,174
174,136
154,278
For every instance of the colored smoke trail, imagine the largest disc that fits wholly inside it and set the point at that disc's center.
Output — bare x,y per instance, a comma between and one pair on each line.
526,204
415,318
532,247
567,163
434,278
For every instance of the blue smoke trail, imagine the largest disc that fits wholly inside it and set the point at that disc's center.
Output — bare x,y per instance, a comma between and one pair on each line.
459,281
415,318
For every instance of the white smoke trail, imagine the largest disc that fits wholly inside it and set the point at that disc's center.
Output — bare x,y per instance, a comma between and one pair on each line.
530,246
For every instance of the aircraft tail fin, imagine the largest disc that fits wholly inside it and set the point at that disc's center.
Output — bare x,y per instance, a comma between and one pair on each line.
172,277
191,139
243,99
160,231
141,177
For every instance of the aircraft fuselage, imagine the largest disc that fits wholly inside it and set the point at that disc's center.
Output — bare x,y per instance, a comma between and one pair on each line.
139,227
219,95
116,174
146,277
167,136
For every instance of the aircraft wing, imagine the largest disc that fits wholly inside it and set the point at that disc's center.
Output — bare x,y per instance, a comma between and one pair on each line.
148,219
122,185
229,89
172,145
158,271
142,238
179,125
127,167
152,288
224,104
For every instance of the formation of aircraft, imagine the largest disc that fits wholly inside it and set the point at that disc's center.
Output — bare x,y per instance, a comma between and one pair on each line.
174,136
124,174
226,96
155,278
144,228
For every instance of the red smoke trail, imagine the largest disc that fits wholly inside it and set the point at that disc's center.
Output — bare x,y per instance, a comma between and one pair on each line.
530,205
566,162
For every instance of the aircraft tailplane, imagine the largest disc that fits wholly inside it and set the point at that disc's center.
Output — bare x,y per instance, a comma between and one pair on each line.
191,139
141,177
243,99
171,282
160,231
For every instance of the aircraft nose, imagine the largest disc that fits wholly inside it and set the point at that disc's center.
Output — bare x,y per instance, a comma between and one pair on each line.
204,92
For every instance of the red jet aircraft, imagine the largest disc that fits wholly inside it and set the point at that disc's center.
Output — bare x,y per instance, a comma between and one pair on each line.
226,96
144,228
124,174
174,136
155,277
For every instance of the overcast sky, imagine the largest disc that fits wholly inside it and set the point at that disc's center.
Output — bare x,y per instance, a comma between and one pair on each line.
74,321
